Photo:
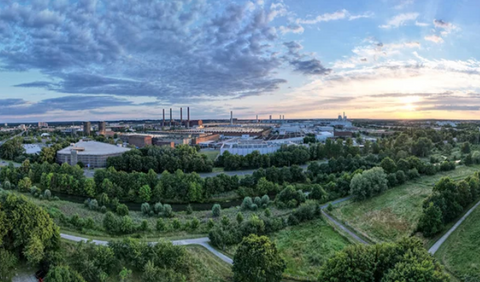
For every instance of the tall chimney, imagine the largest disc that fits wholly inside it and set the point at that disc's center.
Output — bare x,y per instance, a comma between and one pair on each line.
171,117
163,123
231,117
257,118
280,117
188,117
270,117
181,116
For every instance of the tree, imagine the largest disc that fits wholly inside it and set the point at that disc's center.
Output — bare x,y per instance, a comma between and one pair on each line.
422,147
466,148
62,274
431,221
122,210
369,183
257,260
8,261
24,184
125,274
388,165
216,210
145,193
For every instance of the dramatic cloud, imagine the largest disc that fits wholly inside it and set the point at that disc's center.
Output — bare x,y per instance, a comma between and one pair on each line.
163,49
400,20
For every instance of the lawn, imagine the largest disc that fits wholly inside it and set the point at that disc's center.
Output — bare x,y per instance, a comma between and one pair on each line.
211,154
207,267
395,213
460,252
307,246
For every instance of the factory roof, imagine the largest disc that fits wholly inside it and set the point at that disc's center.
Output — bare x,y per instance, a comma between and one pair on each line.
93,148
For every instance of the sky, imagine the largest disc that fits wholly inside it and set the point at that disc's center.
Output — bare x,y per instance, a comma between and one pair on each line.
74,60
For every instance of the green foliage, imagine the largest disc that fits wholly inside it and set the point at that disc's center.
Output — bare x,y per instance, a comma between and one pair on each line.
145,208
158,208
239,218
388,165
267,212
8,261
176,224
290,197
405,260
256,260
145,193
247,203
122,210
63,273
369,183
431,221
216,210
160,225
168,211
24,184
189,209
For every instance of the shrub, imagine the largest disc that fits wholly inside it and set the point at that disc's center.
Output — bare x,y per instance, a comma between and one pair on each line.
265,201
239,218
145,208
7,185
122,210
413,173
160,225
401,177
216,210
47,194
292,220
176,224
103,209
189,209
430,169
330,207
210,224
392,179
144,225
168,212
306,212
195,223
258,201
158,207
247,203
254,207
290,197
93,205
267,212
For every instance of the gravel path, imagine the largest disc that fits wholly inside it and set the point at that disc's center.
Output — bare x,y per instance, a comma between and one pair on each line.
439,243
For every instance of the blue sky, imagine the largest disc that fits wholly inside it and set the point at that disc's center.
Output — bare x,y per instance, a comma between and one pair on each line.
104,60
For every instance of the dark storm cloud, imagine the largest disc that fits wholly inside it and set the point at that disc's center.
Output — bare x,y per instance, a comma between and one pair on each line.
67,103
171,50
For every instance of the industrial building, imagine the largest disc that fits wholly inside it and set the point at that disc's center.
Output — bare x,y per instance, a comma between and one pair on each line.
91,153
243,147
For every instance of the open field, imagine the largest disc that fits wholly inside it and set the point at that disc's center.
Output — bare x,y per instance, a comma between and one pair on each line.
208,267
395,213
460,252
307,246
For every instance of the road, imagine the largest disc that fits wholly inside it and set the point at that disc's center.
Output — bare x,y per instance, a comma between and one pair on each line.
442,240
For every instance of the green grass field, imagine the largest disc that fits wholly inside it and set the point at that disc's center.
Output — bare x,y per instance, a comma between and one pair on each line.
207,267
306,247
395,213
210,154
461,251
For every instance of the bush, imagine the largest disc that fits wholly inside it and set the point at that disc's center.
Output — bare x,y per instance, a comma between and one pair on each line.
239,218
330,207
144,225
258,201
265,201
210,224
392,179
254,207
267,212
158,207
160,225
103,209
7,185
216,210
47,194
247,203
168,212
93,205
122,210
292,220
401,177
306,212
189,209
145,208
413,173
195,223
176,224
430,169
290,197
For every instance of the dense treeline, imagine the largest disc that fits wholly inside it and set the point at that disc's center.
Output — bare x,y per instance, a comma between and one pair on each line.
448,201
406,260
159,159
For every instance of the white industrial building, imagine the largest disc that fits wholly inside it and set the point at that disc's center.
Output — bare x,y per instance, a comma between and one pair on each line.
91,153
245,147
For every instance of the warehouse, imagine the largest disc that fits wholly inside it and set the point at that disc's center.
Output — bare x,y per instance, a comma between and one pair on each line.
92,154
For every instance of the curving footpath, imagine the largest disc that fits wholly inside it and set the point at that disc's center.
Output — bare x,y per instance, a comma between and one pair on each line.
439,243
204,241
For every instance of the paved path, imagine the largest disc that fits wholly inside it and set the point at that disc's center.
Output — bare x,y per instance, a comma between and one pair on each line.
204,242
338,224
439,243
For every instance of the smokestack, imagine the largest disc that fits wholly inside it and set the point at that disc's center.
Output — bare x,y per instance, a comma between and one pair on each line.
270,117
171,117
188,116
181,116
231,117
163,123
283,117
280,117
257,118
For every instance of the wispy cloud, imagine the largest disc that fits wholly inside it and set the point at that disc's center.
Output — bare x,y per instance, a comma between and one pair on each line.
434,38
400,20
338,15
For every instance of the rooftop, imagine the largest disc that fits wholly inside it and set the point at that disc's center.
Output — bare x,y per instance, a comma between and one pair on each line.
93,148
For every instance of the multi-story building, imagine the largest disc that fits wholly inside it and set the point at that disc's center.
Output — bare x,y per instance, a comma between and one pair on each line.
91,153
